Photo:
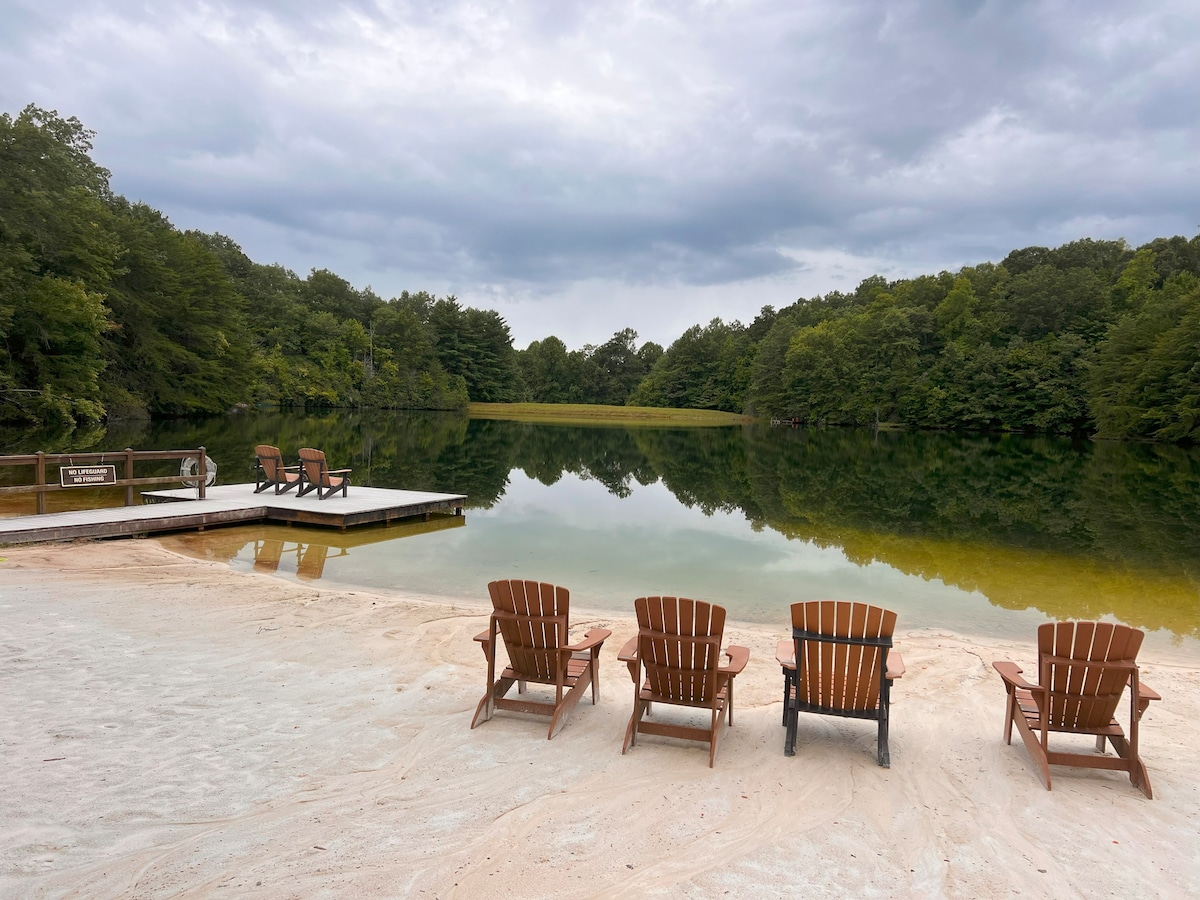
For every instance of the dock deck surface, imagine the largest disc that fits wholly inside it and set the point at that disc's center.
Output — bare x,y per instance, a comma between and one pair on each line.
228,504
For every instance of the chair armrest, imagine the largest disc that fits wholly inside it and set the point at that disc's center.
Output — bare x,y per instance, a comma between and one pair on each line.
1147,693
738,657
895,666
628,653
338,471
785,654
594,638
484,636
1011,673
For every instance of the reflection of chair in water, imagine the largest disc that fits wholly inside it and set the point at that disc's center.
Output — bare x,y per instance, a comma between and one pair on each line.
310,560
267,554
838,664
1083,669
320,477
679,646
271,471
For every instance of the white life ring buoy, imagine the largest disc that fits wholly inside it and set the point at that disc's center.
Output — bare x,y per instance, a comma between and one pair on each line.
190,467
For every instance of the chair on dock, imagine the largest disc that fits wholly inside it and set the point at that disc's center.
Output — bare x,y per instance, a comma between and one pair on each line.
319,477
531,621
678,645
1083,670
271,472
839,662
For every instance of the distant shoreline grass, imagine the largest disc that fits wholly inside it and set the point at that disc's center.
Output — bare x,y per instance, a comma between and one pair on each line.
586,413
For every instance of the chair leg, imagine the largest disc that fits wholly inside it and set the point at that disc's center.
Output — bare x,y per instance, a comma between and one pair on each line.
882,751
1010,710
1034,747
715,735
885,711
1138,775
569,702
488,703
790,715
639,706
595,675
485,705
1140,778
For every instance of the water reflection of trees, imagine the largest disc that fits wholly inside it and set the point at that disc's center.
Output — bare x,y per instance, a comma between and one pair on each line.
894,496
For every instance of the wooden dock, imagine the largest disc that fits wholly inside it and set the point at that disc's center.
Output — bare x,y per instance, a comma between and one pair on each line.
229,504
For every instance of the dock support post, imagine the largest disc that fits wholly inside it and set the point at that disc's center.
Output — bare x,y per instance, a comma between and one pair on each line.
129,476
40,480
203,474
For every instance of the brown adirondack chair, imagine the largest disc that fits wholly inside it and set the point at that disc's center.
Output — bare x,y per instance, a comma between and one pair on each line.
678,645
846,666
319,477
271,471
1083,669
531,621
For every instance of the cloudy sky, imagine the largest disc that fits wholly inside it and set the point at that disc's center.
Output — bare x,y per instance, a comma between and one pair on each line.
584,167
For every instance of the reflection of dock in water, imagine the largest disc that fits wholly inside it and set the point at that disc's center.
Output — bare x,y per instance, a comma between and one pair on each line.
311,555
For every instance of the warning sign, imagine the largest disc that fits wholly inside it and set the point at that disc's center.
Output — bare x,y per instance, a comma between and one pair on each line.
87,476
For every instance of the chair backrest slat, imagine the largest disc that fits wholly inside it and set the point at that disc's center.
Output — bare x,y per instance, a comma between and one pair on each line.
316,469
532,618
679,645
840,659
1083,692
271,461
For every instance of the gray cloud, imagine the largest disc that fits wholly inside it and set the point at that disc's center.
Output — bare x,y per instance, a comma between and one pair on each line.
531,155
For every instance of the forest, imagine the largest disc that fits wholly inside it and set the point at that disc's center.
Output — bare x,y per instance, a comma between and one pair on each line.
108,312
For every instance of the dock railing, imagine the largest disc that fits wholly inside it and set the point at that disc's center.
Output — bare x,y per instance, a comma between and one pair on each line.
125,458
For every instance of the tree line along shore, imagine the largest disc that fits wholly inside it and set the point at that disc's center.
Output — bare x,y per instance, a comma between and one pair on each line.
108,311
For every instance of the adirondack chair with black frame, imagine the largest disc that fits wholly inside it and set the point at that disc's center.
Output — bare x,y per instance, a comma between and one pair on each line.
271,472
839,662
678,647
319,477
1084,668
531,621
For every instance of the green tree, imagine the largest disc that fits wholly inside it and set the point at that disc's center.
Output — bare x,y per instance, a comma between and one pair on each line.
1049,300
1145,380
545,371
57,257
324,291
702,369
180,345
620,368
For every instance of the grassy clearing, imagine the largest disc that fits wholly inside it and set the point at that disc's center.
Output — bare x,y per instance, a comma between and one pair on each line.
585,413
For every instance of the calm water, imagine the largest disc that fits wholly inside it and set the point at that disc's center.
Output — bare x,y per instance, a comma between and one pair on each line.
989,535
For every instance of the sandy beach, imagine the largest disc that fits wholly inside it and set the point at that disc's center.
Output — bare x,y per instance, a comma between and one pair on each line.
171,728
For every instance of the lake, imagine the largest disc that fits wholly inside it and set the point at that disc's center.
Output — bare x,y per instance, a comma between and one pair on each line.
988,534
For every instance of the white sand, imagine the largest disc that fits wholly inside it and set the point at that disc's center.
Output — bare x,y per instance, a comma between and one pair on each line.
172,728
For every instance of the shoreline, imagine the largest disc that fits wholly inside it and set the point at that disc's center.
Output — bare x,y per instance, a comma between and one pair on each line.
175,726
